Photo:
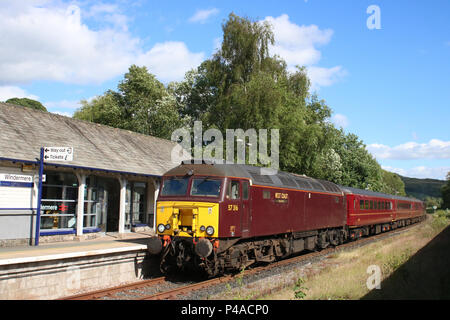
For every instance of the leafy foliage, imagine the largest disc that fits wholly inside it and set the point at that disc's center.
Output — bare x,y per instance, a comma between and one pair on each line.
299,289
394,184
142,104
446,193
26,102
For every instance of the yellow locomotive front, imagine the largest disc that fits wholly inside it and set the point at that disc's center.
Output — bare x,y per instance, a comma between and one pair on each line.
187,220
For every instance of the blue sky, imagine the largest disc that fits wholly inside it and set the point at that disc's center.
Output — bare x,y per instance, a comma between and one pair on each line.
390,86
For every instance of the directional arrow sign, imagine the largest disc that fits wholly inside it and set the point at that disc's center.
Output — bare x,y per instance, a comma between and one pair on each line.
58,154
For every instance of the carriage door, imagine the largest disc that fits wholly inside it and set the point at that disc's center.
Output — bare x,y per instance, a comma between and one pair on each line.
246,210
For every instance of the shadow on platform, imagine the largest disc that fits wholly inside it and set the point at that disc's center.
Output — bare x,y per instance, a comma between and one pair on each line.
426,275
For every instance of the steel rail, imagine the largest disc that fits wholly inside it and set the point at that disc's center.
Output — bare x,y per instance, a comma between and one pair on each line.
93,295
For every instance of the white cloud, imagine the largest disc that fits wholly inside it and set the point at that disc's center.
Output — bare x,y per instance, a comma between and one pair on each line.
65,107
217,44
323,77
421,172
340,120
434,149
202,15
47,40
7,92
170,60
297,45
63,113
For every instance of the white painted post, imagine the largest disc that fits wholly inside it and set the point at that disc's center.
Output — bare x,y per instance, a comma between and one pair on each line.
122,207
149,199
80,208
157,184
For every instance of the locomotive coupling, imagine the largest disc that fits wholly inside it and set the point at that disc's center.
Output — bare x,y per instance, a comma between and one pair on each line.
154,245
203,248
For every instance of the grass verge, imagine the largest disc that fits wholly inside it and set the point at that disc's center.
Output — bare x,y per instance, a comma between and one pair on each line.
408,266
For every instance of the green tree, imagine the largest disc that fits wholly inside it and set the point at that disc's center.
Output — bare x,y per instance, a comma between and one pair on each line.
141,104
26,102
242,86
430,202
347,162
446,193
393,184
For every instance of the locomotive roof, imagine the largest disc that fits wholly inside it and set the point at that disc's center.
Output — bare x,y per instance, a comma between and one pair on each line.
278,179
350,190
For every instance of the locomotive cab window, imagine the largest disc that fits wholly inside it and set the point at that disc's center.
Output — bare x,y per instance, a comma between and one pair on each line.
206,187
176,186
233,190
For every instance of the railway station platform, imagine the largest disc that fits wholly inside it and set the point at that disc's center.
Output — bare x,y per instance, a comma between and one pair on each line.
56,270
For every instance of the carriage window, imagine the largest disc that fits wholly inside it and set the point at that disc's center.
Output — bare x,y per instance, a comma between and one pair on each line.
382,205
371,204
375,205
366,204
245,190
233,190
266,194
361,204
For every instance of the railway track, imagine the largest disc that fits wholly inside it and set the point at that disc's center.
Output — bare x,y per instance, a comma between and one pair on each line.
163,289
110,292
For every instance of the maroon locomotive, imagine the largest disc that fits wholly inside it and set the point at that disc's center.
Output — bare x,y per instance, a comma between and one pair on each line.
220,217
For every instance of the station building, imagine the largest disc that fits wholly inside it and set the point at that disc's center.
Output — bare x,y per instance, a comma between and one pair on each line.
110,186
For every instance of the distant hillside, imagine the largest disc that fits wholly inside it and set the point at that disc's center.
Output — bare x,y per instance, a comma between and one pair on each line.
421,188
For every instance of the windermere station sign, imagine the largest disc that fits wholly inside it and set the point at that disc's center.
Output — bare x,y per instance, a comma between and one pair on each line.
16,180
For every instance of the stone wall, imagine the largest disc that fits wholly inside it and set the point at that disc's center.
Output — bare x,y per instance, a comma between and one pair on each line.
59,278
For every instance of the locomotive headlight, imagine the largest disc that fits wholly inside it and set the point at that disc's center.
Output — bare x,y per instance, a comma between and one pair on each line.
209,230
202,228
167,226
161,228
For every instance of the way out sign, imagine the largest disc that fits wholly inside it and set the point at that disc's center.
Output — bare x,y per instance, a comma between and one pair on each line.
58,154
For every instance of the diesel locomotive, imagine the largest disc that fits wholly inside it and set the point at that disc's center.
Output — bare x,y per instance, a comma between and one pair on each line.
225,217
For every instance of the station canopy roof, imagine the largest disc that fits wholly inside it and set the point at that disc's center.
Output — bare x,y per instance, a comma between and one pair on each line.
23,131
